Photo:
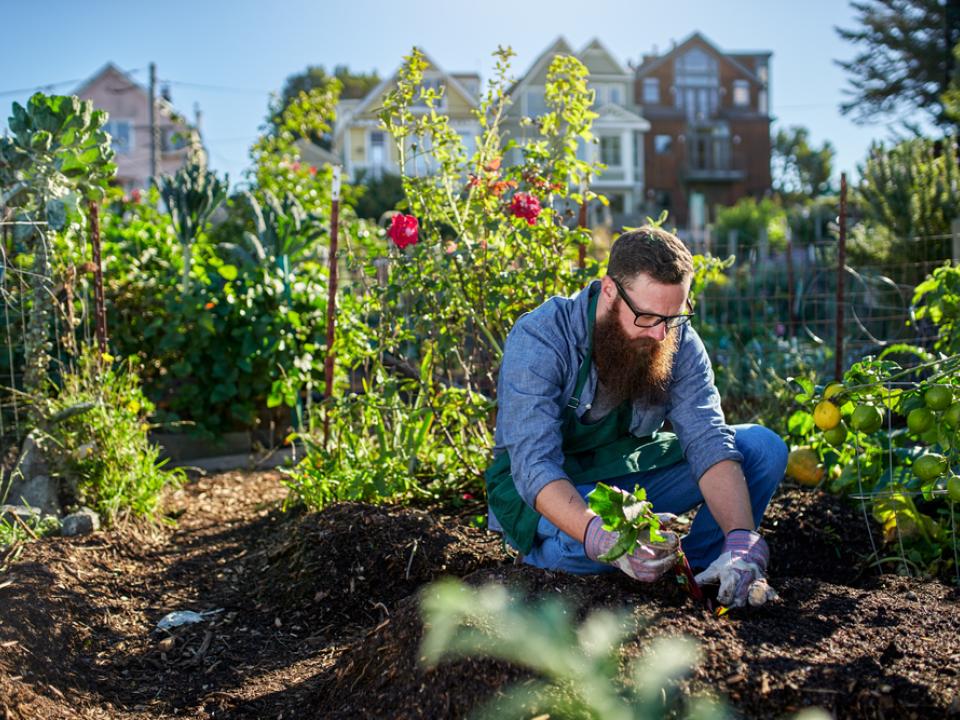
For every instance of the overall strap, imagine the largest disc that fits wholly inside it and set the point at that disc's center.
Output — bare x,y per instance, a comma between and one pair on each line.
574,402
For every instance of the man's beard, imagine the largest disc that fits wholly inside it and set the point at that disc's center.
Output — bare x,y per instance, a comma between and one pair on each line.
632,369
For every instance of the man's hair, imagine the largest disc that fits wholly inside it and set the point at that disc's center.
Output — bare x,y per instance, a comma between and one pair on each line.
651,250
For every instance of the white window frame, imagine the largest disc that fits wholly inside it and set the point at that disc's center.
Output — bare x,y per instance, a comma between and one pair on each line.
651,91
113,127
619,145
741,93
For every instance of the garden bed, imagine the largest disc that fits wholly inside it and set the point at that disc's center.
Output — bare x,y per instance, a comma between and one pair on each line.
318,616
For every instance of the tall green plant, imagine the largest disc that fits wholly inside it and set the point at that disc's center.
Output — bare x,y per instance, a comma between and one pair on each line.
191,196
56,156
913,191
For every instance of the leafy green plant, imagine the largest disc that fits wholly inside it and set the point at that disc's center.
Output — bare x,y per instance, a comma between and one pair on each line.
191,196
937,298
578,667
893,445
97,428
910,190
56,155
629,514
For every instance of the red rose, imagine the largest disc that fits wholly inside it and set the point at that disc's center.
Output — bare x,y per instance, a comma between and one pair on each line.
526,206
404,230
313,170
295,166
135,196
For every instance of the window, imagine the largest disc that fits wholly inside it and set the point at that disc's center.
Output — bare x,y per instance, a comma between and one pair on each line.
172,139
662,144
121,134
698,84
610,151
608,95
651,91
378,152
536,102
741,93
430,83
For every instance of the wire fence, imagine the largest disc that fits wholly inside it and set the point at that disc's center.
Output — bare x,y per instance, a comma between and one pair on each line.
776,310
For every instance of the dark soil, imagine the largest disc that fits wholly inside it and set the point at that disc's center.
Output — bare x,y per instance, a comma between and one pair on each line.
317,616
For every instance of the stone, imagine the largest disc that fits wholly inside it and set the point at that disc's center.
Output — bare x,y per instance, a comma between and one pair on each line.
27,514
82,522
41,492
31,461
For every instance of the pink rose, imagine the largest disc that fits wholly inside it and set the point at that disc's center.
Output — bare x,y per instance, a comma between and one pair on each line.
526,206
404,230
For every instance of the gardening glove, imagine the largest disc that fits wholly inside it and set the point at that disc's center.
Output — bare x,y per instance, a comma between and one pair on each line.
740,570
647,562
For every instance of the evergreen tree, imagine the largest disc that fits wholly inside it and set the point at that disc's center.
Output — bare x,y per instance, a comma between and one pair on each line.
905,58
800,170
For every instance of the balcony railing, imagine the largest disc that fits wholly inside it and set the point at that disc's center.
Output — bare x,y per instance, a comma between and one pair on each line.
711,159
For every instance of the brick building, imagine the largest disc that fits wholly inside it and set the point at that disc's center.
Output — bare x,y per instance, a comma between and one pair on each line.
709,137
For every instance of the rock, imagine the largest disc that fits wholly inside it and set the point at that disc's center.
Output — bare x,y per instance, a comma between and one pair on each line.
31,461
82,522
40,492
27,514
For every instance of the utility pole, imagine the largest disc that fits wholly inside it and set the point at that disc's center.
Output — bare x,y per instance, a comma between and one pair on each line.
153,123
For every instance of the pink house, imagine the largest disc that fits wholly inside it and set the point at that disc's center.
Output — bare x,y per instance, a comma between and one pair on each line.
128,104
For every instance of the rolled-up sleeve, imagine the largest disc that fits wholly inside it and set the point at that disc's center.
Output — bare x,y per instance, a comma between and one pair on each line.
694,408
530,405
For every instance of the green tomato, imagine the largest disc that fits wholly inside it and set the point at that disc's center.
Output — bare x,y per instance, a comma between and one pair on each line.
866,418
920,420
953,488
930,466
938,397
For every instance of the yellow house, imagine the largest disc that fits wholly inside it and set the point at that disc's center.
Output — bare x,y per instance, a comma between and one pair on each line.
619,127
367,150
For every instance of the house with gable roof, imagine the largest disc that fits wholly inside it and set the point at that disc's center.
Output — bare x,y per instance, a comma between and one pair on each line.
128,105
619,127
366,149
709,139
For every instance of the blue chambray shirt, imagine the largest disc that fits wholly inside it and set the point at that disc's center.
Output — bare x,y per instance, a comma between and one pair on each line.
538,375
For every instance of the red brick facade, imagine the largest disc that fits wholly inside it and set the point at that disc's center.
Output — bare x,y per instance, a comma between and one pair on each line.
710,128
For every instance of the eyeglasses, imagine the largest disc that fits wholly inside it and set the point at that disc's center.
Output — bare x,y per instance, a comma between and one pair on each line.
649,320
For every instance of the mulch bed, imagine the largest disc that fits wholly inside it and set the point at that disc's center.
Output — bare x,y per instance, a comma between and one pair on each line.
317,616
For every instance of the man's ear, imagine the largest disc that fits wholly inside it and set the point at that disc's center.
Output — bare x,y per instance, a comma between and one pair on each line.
608,288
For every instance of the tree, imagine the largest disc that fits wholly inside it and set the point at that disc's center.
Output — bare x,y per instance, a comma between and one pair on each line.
315,77
800,170
905,61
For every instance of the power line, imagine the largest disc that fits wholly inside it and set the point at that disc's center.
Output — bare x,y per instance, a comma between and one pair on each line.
48,86
221,88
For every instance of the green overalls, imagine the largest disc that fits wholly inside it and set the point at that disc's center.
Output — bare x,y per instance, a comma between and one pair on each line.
592,453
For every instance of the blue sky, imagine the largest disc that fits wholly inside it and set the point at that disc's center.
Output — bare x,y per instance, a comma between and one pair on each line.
228,56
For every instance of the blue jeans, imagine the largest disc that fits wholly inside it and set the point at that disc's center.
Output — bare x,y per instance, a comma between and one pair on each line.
675,490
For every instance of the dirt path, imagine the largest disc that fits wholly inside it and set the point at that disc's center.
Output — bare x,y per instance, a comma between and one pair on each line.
317,617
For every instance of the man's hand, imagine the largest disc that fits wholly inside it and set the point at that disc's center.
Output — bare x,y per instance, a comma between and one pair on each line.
646,563
741,570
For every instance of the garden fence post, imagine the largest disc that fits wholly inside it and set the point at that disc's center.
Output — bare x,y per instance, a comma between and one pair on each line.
841,263
791,319
331,302
732,238
955,236
100,315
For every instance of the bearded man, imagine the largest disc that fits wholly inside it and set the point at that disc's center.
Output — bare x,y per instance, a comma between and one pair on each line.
585,387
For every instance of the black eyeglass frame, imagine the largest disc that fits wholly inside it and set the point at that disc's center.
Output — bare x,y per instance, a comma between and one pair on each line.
676,320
